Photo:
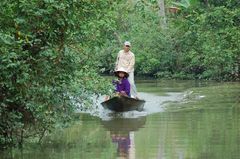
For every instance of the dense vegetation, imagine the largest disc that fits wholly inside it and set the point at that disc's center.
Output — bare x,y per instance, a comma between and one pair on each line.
48,63
51,53
200,40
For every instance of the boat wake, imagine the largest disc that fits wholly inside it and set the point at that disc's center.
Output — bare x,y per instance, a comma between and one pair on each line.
154,104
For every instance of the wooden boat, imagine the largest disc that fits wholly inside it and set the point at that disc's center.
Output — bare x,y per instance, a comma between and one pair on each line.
122,103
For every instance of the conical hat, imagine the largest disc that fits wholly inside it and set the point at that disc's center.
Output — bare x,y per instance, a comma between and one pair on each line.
121,70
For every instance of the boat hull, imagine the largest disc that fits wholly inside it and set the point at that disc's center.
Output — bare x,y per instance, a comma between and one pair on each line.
122,103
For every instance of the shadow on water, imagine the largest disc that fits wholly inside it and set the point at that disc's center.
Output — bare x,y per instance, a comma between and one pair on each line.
124,124
122,134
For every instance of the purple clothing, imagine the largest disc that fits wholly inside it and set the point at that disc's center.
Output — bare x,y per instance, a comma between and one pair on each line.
123,143
123,85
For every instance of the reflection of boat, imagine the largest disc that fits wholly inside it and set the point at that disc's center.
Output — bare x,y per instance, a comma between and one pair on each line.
122,103
124,124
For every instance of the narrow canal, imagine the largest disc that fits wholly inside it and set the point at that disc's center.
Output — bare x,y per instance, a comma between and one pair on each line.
181,120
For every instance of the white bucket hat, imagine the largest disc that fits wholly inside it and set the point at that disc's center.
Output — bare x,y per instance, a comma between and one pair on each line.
127,43
121,70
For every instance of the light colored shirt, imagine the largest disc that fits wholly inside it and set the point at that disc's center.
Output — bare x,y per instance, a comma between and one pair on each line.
125,60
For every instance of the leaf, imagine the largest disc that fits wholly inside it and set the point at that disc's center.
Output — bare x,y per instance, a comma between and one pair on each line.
6,39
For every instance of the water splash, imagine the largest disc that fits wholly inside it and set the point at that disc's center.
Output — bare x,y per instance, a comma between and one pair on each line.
154,104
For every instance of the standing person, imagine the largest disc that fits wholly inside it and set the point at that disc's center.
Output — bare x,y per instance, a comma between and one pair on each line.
126,60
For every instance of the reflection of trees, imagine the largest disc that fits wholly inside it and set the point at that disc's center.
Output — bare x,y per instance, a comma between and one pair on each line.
122,134
209,134
86,139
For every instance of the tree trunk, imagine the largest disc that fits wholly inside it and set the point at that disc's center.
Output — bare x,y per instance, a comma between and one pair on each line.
162,13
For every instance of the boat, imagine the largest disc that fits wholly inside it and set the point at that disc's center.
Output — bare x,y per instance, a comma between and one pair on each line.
123,103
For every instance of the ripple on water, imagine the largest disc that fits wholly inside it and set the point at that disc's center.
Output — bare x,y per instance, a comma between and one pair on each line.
154,104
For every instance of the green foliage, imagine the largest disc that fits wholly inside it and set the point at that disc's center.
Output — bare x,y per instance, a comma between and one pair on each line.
213,40
150,44
227,3
200,42
51,52
185,3
48,63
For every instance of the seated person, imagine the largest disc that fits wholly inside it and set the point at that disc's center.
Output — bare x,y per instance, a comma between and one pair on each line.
122,84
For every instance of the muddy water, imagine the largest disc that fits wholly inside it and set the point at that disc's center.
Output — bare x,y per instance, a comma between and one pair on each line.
181,120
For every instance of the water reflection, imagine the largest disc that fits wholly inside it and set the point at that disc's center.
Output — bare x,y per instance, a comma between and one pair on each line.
177,123
122,134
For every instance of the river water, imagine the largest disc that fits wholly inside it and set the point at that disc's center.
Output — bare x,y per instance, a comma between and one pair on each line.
181,120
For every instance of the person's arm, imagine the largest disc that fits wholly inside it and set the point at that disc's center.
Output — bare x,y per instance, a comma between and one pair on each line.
131,64
123,93
126,87
116,85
